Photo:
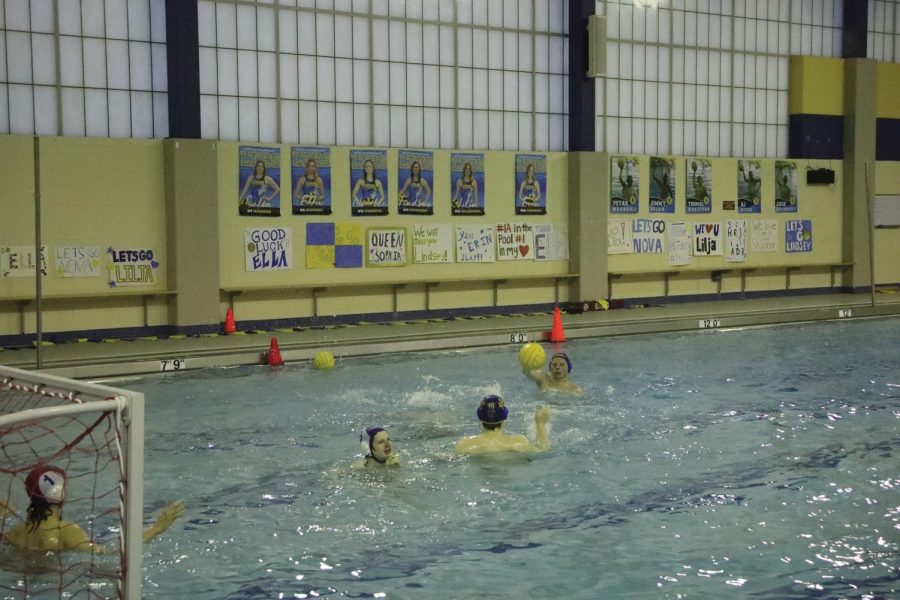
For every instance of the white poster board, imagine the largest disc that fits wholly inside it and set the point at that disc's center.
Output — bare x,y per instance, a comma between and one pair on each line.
432,243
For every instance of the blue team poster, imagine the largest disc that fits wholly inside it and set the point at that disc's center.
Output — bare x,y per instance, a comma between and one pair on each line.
785,186
798,236
466,184
699,186
259,180
662,185
749,186
415,176
368,182
624,185
531,184
311,180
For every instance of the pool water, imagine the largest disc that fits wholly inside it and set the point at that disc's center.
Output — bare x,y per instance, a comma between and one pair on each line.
715,464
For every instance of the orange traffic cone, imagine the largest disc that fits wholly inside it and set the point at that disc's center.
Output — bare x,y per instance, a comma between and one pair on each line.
557,334
273,358
229,326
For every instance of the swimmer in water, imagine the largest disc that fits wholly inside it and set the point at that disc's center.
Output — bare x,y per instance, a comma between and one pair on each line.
492,412
376,446
44,528
557,377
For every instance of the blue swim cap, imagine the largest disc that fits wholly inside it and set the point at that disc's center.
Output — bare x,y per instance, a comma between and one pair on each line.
492,410
563,356
367,437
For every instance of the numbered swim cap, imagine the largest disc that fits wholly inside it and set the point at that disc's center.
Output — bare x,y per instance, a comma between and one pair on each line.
47,483
367,438
563,356
492,410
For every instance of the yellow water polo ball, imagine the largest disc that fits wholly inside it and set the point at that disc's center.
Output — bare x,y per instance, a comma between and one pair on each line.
323,360
532,356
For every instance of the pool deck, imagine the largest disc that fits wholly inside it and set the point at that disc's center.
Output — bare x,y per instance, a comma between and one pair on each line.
93,360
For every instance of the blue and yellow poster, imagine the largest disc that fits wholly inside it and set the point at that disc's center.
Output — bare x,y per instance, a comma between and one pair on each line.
698,186
259,181
662,185
798,236
531,184
334,245
415,176
749,186
624,185
310,180
467,184
785,186
368,182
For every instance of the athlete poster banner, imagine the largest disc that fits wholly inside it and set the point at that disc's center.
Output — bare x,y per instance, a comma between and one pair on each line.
78,261
531,184
785,186
698,185
310,180
475,244
466,184
736,240
19,261
268,249
132,267
624,185
662,185
515,241
749,186
798,236
259,181
368,182
415,176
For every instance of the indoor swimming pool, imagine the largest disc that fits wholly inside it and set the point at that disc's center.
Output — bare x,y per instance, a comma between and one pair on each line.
713,464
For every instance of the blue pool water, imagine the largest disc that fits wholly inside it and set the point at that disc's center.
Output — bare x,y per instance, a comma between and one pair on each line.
759,463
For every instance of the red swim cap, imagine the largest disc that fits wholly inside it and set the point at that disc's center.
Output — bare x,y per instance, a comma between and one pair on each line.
47,483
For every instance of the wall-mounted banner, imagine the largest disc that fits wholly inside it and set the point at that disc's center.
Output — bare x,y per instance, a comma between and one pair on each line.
662,185
785,186
432,243
736,240
531,184
764,236
648,236
268,249
259,181
334,245
515,241
707,239
19,261
474,243
618,237
386,247
311,179
78,261
368,182
415,169
551,241
699,186
749,186
624,185
131,267
467,184
798,236
679,245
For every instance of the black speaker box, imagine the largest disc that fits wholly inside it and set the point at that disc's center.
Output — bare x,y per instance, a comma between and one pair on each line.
819,176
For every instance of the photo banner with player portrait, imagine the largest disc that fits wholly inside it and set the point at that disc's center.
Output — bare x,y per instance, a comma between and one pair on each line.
749,186
467,184
698,185
310,180
785,186
531,184
624,185
415,176
662,185
259,181
368,182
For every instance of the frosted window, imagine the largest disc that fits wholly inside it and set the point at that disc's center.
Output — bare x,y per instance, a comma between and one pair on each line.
325,79
415,127
248,119
141,76
308,122
360,37
228,118
141,106
344,76
361,125
226,26
73,112
119,113
290,121
306,33
398,131
45,110
495,130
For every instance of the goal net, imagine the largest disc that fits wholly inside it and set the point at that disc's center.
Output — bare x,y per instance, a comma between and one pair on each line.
94,434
